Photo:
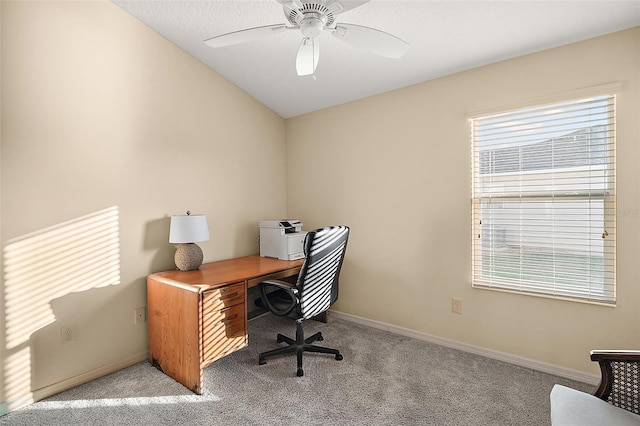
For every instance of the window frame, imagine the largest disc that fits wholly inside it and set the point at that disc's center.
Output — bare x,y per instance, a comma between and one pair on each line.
588,293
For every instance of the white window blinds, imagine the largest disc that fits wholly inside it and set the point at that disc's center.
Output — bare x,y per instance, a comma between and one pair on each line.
544,200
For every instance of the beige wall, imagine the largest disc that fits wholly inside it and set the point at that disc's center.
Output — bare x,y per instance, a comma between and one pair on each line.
107,129
396,168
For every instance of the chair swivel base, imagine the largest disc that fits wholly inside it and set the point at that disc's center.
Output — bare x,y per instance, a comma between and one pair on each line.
299,346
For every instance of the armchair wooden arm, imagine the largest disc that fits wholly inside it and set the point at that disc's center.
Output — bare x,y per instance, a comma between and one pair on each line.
620,381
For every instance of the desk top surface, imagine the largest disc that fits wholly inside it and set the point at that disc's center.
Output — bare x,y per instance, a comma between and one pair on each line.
228,271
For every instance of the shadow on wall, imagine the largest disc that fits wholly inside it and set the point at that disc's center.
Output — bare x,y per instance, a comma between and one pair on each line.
156,237
74,256
73,343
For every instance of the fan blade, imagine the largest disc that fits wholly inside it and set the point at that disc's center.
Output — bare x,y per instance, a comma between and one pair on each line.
375,41
244,36
291,4
308,54
340,6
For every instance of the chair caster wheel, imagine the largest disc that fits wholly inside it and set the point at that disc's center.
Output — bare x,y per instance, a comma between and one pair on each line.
279,338
262,361
320,338
338,357
300,372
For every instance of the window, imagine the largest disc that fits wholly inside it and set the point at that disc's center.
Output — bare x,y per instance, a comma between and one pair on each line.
544,200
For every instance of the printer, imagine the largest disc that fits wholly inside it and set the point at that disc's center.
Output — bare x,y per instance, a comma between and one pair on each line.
282,238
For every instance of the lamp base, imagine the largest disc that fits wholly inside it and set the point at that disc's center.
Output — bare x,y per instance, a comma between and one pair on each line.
188,257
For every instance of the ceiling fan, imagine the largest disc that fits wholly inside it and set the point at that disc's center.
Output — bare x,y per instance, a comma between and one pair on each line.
312,18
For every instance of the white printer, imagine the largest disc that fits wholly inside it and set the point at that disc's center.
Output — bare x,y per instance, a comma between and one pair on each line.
282,238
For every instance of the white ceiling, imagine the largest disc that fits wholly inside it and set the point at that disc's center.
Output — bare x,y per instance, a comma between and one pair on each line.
445,37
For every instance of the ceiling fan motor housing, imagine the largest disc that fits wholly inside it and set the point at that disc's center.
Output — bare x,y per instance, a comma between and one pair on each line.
312,17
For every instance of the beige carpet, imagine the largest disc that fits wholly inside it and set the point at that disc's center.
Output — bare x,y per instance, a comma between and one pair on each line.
384,379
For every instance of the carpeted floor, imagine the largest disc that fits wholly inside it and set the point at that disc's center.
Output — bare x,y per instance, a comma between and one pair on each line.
384,379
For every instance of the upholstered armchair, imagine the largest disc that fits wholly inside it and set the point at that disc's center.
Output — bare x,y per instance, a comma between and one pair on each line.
616,401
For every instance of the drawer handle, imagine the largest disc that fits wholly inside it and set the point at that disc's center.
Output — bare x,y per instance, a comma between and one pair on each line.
229,296
231,318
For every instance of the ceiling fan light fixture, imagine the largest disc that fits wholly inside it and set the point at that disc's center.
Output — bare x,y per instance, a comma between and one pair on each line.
311,26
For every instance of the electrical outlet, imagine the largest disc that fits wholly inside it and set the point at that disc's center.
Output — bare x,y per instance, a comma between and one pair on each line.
456,305
140,315
68,334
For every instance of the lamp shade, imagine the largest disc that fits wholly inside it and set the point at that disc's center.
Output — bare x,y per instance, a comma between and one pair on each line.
188,229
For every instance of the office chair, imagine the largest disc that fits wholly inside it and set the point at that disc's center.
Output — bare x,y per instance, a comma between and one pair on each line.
315,291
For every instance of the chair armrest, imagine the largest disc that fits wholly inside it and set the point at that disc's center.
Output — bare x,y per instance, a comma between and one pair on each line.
289,289
620,378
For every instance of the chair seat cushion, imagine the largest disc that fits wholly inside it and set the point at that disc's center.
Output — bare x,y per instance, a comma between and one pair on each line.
572,407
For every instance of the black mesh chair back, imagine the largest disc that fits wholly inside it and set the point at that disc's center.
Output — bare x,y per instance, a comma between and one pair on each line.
318,279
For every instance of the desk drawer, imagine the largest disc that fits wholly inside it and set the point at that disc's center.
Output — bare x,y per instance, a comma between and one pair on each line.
220,298
224,322
223,332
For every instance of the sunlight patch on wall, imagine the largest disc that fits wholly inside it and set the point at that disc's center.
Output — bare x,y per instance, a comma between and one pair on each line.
17,372
77,255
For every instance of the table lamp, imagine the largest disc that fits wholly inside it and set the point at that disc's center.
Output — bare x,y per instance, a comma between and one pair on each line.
187,230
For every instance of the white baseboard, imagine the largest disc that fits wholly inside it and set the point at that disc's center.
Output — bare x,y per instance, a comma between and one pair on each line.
63,385
89,376
567,373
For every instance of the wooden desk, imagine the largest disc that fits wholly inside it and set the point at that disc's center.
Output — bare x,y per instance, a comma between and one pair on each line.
197,317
